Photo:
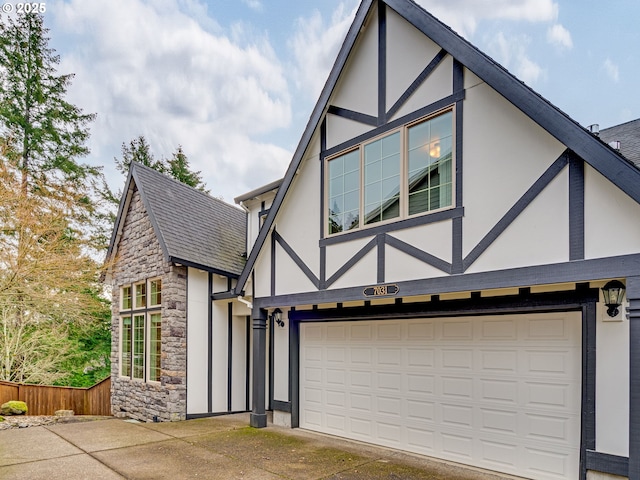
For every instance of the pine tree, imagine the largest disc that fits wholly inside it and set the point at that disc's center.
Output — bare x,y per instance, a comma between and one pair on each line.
178,167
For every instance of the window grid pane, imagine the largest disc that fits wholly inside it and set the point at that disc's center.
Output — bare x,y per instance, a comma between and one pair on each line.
429,168
138,346
141,295
344,192
125,359
382,179
155,294
155,341
126,298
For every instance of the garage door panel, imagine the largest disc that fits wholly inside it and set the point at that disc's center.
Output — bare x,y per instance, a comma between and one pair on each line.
498,392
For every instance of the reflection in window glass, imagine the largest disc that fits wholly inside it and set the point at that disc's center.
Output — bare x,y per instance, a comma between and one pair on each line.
155,340
430,164
138,346
382,179
344,192
126,298
141,295
125,358
155,294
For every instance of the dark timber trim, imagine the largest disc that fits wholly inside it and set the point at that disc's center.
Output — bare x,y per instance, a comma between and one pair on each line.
382,63
229,355
281,406
390,227
195,416
576,208
258,418
420,79
352,261
210,348
605,463
294,256
456,234
294,369
381,240
271,363
397,123
273,263
248,364
633,294
353,115
567,272
418,254
530,195
588,420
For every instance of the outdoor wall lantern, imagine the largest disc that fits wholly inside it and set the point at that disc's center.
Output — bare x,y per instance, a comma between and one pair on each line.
613,293
277,317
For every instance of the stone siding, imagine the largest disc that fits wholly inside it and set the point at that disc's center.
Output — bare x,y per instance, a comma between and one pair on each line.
139,257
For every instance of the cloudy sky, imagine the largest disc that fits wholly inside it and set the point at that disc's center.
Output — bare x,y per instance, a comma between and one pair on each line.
234,81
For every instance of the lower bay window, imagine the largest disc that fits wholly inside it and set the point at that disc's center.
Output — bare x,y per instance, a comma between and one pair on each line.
141,330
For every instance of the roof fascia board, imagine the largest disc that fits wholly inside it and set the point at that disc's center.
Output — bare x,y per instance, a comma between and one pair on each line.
152,218
312,124
549,117
119,223
199,266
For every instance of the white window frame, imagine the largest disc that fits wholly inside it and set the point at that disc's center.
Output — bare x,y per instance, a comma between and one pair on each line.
145,310
404,172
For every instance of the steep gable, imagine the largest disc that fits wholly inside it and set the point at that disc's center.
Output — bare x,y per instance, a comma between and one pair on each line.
193,228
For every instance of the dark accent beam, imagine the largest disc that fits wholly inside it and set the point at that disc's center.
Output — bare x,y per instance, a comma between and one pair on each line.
576,208
381,257
352,261
258,418
282,406
229,355
567,272
606,463
273,263
294,369
588,420
540,302
382,63
298,261
210,348
390,227
398,122
418,254
530,195
353,115
416,83
633,294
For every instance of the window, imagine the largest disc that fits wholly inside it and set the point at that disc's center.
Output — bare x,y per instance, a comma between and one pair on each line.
141,330
404,173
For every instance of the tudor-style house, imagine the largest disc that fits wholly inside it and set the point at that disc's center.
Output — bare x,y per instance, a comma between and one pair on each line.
450,267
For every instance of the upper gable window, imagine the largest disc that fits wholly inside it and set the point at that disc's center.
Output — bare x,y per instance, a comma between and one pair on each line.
404,173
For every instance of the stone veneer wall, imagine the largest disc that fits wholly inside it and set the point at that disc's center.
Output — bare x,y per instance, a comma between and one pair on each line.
139,257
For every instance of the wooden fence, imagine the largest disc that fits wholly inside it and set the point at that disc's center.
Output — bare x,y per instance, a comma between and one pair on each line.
45,400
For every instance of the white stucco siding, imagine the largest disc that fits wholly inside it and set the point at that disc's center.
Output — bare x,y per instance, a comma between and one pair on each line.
219,348
611,225
362,273
357,88
298,221
471,79
539,236
504,153
340,130
401,267
612,375
434,238
409,51
197,339
262,271
239,364
290,278
281,360
341,253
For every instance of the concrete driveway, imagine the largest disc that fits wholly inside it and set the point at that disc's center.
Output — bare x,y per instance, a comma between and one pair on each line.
211,448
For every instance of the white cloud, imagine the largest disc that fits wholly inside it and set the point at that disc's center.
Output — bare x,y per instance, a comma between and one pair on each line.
611,69
315,45
511,52
559,36
464,15
169,78
253,5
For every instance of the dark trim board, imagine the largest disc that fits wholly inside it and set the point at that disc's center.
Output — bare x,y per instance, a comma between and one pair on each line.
281,406
194,416
582,299
567,272
605,463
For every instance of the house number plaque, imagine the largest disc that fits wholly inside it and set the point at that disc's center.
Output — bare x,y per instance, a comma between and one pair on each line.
381,290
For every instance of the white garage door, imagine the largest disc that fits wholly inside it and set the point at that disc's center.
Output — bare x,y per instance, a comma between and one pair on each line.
498,392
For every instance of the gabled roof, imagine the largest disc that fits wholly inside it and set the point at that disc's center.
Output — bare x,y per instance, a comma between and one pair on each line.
553,120
628,134
269,187
193,228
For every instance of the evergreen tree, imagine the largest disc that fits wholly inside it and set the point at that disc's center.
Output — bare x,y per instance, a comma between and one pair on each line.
138,150
47,212
178,167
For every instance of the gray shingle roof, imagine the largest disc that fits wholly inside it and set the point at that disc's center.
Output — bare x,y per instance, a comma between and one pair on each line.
193,228
628,134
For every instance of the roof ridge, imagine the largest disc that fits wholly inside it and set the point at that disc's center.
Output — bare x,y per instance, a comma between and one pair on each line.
619,125
182,184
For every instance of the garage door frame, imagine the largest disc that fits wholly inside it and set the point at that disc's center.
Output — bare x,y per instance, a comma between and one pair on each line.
583,300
